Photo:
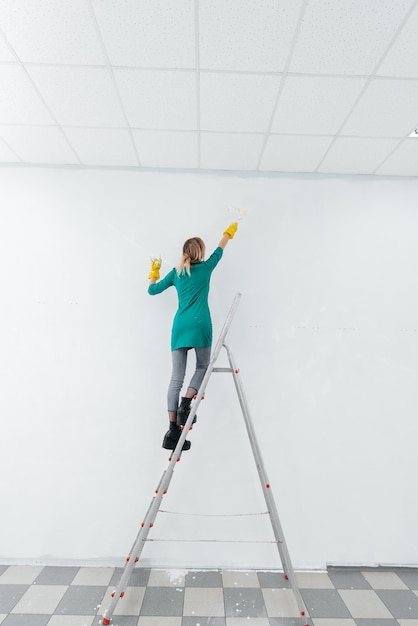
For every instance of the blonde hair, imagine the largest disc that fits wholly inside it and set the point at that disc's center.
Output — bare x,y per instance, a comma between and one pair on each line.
193,252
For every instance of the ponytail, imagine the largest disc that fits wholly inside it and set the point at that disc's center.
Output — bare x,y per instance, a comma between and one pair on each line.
193,252
184,265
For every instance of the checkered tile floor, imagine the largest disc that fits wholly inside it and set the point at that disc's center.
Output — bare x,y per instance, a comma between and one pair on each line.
71,596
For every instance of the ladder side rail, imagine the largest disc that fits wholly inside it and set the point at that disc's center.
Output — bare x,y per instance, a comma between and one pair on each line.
123,582
165,480
135,552
140,540
226,326
278,533
268,494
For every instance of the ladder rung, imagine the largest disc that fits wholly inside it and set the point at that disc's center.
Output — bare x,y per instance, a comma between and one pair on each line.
222,369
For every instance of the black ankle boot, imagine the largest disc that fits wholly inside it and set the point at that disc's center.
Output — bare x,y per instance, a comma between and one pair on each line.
172,436
183,412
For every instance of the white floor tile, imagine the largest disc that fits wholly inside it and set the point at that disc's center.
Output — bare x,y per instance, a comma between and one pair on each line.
364,604
20,574
159,621
313,580
2,617
247,621
408,622
208,601
240,579
280,603
130,604
40,599
166,578
384,580
100,576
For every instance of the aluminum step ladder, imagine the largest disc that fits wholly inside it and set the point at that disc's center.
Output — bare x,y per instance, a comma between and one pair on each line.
165,480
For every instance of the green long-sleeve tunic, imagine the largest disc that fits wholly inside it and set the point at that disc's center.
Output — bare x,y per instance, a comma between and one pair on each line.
192,325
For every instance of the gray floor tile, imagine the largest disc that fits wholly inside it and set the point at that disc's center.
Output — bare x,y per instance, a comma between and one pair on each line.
273,580
348,579
10,596
203,621
163,601
403,604
324,603
244,602
26,620
376,622
139,577
203,579
3,568
56,575
409,577
71,620
81,600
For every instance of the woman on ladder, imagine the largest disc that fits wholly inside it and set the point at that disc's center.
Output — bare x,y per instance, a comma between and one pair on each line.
192,325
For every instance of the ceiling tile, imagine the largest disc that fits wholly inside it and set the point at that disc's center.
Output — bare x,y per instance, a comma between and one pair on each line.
300,74
402,57
227,151
39,144
315,105
157,34
294,154
158,99
237,102
403,162
167,149
388,108
246,35
19,102
79,96
346,36
103,146
6,154
47,31
356,155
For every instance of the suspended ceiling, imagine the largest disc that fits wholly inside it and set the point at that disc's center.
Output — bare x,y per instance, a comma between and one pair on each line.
317,86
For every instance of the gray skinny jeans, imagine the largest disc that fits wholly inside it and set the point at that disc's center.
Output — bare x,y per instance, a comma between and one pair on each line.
179,371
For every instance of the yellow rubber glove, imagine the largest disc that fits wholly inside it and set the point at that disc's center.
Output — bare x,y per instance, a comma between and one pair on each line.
231,230
155,268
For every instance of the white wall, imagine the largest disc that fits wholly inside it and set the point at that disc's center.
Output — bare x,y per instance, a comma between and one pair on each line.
325,337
